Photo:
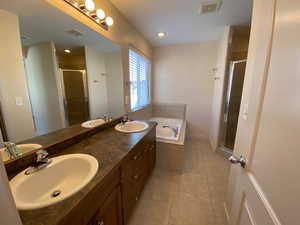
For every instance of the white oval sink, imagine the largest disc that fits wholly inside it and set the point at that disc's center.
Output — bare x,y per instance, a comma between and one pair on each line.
23,148
132,127
62,178
92,123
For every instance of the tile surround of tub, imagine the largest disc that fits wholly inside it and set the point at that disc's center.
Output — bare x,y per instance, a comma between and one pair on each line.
169,110
169,157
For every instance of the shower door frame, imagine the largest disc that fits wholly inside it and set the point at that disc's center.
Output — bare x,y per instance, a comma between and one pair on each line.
86,90
4,135
227,102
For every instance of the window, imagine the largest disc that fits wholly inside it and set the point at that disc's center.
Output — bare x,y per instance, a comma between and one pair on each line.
139,70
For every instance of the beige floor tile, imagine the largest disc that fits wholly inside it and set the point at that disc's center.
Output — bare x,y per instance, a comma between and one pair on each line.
192,194
194,186
189,212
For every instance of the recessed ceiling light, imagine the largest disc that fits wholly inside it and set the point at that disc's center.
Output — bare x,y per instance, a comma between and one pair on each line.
161,34
67,51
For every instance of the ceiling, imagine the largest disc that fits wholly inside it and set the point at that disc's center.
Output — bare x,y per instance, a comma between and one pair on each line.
41,22
180,19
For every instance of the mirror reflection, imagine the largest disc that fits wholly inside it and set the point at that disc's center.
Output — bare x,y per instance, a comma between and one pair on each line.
71,76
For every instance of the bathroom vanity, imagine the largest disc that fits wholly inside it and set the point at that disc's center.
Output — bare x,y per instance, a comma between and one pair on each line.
125,164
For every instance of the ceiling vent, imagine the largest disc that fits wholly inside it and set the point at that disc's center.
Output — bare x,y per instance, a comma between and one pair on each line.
74,33
210,6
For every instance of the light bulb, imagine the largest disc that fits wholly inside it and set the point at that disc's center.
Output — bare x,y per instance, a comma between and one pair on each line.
100,14
89,5
109,21
67,51
76,4
161,34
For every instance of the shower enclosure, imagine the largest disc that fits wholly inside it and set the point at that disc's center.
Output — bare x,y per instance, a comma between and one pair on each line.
75,96
233,101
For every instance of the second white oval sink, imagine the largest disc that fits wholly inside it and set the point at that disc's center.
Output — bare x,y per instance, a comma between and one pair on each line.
92,123
62,178
131,126
23,148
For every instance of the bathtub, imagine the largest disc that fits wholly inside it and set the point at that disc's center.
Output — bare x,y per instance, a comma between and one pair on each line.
170,130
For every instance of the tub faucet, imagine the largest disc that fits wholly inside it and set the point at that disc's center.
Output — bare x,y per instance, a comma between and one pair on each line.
41,162
12,150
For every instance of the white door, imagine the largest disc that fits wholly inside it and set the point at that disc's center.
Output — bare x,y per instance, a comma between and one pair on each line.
267,191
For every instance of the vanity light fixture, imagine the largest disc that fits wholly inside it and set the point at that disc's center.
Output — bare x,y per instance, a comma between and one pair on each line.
88,8
161,34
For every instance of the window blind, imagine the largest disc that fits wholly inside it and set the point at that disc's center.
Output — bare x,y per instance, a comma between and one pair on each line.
139,69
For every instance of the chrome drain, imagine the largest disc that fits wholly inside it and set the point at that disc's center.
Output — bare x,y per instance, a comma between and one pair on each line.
55,193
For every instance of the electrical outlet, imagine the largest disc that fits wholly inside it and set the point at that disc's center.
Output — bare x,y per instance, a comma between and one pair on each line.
19,101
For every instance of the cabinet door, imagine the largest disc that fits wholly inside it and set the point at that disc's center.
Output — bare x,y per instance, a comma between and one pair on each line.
110,211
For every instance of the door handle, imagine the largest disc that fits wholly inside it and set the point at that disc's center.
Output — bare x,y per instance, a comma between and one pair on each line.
241,160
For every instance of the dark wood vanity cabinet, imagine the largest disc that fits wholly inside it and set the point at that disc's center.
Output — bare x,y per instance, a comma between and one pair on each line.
135,173
110,212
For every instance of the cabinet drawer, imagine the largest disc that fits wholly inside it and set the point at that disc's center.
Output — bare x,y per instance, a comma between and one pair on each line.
137,162
131,196
133,166
110,212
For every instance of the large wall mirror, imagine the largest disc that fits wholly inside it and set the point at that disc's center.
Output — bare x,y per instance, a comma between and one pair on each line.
71,75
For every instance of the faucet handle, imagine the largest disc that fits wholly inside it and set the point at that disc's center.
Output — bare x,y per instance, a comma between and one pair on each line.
8,144
105,117
41,154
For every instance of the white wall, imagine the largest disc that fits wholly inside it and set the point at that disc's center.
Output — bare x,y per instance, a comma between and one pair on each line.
43,89
18,119
114,80
96,75
182,74
215,120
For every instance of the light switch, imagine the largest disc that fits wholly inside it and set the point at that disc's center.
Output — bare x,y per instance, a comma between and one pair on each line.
19,101
127,100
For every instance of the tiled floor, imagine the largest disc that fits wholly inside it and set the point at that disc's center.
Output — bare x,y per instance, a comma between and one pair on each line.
193,195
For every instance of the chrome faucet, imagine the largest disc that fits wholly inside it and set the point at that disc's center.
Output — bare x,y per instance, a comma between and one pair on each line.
125,119
41,162
105,117
12,150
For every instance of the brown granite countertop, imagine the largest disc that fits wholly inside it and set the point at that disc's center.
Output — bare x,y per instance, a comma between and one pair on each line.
109,147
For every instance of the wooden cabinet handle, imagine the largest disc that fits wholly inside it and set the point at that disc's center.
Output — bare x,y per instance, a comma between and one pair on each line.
136,177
